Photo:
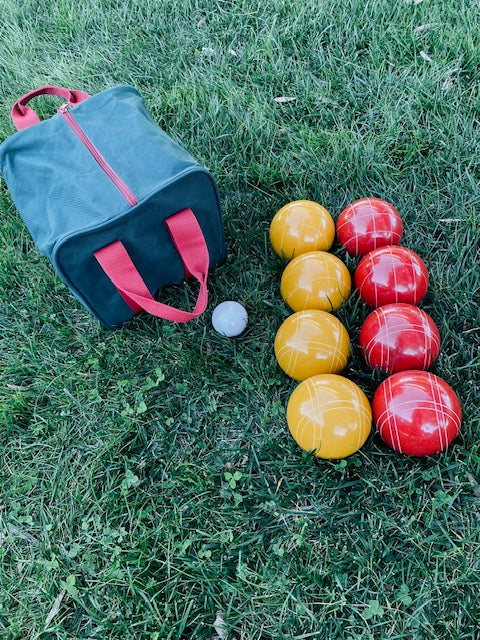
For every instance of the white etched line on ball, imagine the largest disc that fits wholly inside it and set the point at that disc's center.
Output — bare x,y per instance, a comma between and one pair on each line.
382,316
374,220
414,277
396,430
394,273
307,422
426,349
425,404
437,402
387,415
354,207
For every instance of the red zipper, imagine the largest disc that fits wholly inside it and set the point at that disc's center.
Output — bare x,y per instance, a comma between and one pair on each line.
80,133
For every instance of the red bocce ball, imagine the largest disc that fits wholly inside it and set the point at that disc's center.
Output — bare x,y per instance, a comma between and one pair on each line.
391,274
367,224
397,337
416,413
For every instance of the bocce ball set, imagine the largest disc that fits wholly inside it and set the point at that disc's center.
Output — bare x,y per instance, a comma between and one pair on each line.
414,411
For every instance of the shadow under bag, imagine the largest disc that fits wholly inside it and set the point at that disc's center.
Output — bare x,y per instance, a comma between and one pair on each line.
119,208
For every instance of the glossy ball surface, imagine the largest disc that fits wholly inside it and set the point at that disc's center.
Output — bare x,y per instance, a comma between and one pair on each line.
398,337
329,415
301,226
229,318
416,413
311,342
391,274
367,224
315,280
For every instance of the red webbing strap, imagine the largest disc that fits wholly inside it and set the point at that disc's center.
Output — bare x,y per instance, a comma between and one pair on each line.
190,243
24,116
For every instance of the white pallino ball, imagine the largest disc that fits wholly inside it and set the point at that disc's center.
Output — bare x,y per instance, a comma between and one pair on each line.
229,318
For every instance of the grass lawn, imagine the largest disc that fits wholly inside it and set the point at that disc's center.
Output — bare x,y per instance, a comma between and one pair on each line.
149,488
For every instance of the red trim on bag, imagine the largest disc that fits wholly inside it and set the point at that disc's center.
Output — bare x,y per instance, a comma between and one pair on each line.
24,117
80,133
190,243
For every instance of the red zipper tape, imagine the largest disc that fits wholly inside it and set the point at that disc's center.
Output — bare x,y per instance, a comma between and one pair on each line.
80,133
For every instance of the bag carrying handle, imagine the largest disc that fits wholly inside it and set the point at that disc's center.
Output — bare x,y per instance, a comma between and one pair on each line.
24,117
190,243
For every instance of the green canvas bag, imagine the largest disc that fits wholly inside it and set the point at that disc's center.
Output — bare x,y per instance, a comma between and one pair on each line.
119,208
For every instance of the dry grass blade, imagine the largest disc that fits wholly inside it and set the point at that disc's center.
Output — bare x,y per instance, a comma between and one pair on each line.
55,609
284,99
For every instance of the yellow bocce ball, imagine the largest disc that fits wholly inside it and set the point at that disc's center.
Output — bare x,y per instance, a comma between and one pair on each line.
329,416
315,280
311,342
301,226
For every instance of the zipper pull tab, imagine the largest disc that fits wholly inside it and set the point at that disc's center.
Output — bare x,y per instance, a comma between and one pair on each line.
64,108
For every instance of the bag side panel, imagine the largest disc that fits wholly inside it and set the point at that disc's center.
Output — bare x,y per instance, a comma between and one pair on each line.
136,148
58,187
55,183
144,233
